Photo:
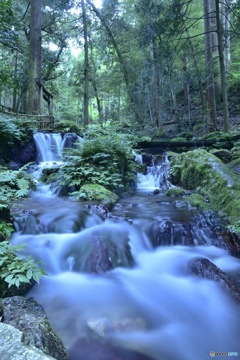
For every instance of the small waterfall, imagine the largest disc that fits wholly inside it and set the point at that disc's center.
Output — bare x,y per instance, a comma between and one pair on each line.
49,146
156,176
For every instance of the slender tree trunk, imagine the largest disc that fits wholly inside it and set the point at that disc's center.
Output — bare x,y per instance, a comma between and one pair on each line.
226,30
34,82
86,67
156,82
222,69
209,65
15,89
120,59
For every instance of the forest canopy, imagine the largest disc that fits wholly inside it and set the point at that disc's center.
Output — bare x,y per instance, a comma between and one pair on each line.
140,65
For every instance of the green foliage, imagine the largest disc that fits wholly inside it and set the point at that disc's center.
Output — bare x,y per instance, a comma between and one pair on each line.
14,185
67,127
106,160
13,130
6,229
15,271
175,191
214,181
96,192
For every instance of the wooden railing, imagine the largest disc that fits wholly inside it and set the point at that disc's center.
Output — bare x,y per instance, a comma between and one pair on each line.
40,122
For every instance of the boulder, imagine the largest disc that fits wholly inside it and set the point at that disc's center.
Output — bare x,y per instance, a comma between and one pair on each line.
167,232
12,346
206,269
218,183
87,349
223,154
30,319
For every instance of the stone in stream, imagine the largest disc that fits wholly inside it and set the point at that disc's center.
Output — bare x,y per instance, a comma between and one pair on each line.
165,232
30,319
206,269
12,346
88,349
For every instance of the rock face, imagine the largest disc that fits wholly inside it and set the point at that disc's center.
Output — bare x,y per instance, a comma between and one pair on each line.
23,155
12,346
29,318
204,268
86,349
167,232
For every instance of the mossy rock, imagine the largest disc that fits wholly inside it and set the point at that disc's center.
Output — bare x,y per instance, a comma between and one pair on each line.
218,183
175,191
217,135
223,154
97,192
197,201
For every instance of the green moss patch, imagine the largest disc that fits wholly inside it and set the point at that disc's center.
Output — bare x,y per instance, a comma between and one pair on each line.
96,192
203,172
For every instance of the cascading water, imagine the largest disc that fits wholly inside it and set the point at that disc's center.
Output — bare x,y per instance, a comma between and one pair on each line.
49,146
148,301
155,176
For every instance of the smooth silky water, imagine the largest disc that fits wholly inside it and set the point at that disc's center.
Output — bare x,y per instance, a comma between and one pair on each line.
157,307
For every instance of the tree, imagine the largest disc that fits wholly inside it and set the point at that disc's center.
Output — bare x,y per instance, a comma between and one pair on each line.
35,62
210,46
86,66
222,67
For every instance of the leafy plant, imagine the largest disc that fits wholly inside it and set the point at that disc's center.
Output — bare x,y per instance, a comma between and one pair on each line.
106,160
14,185
13,270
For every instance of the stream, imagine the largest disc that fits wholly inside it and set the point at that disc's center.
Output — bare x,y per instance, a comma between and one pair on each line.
148,301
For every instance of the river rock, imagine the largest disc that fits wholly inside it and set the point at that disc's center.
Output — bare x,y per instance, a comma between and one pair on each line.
30,318
167,232
23,155
228,241
204,268
12,346
223,154
86,349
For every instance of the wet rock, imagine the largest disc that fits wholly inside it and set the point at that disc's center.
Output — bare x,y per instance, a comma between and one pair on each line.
204,268
147,159
12,165
222,154
87,349
107,255
12,346
167,232
228,241
69,140
23,155
30,318
99,261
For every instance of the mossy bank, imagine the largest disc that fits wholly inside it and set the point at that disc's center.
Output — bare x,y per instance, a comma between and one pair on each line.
206,175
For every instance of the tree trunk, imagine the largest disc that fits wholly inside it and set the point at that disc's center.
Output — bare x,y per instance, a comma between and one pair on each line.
209,46
34,81
222,69
120,59
86,67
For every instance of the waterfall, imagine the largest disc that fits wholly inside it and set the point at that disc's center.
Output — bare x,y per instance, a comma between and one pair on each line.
156,176
49,146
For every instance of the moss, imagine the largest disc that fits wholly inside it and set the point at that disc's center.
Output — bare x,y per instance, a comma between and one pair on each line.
198,201
217,135
175,191
96,192
201,171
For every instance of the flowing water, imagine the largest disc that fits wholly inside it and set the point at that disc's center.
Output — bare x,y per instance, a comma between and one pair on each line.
154,306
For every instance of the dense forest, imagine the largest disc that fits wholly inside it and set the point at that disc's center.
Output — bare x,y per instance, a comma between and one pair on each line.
145,65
